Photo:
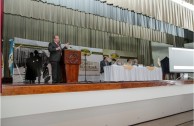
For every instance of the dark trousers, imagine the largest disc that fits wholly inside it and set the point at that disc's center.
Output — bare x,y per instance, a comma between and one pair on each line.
56,72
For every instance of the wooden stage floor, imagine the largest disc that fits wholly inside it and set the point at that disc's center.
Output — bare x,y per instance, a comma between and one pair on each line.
25,89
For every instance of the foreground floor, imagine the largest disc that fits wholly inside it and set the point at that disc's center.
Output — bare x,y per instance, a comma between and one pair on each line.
183,119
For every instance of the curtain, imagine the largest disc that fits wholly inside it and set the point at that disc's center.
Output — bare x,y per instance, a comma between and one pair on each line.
164,9
61,15
57,13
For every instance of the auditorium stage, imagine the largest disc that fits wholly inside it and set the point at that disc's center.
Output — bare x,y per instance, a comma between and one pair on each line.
118,103
25,89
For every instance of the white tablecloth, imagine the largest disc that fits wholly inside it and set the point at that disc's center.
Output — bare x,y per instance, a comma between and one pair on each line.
119,73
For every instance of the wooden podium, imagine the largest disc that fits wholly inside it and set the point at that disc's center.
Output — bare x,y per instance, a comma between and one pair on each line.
70,66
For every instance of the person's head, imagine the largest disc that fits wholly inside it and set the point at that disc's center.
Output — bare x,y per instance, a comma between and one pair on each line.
114,60
129,61
56,39
135,61
105,58
118,61
36,52
31,55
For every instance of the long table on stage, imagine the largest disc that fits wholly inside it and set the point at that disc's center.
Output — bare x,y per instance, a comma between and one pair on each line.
131,73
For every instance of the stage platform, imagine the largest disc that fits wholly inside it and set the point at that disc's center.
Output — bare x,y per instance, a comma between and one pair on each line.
86,103
26,89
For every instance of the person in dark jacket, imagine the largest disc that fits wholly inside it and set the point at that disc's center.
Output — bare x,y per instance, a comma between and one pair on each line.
38,62
55,57
103,63
165,65
30,69
166,68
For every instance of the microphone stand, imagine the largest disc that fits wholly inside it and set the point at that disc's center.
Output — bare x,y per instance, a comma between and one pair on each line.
85,76
85,68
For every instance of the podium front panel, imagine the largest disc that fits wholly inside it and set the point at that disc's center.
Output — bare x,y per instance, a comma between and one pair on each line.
71,62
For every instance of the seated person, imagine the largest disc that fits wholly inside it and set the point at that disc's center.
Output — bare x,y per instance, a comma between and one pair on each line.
135,62
113,62
129,62
116,62
104,63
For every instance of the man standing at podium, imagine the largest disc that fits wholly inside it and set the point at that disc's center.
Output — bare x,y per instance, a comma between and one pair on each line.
55,57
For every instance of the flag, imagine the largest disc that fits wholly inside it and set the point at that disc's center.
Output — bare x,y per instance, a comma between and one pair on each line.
10,60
